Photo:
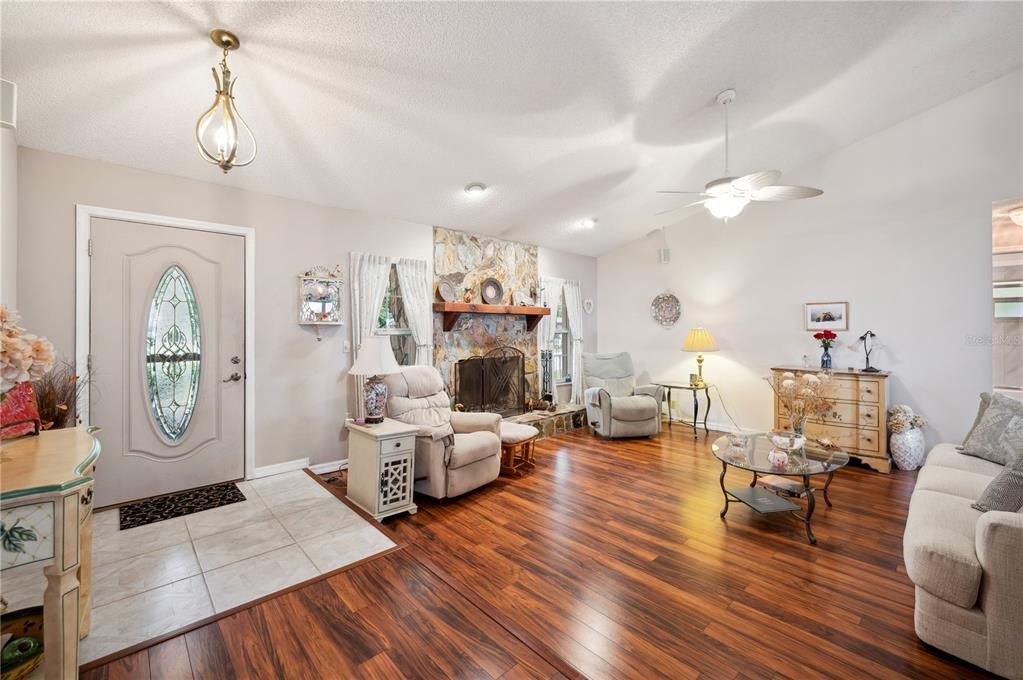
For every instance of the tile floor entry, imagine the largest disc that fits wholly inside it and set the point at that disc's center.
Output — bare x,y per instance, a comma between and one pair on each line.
159,577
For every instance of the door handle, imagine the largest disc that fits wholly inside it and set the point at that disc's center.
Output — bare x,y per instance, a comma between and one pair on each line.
234,377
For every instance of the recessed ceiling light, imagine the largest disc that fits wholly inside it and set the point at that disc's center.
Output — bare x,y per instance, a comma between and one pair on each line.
475,189
588,223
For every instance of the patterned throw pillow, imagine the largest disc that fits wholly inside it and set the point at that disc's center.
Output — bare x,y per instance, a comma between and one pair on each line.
1005,492
985,401
998,434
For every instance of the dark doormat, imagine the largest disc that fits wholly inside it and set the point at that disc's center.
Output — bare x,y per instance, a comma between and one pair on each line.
178,504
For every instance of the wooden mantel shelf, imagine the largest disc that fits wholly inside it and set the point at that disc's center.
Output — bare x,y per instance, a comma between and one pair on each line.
453,310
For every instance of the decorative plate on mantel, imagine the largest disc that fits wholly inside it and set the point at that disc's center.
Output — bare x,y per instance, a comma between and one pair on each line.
666,310
447,291
491,291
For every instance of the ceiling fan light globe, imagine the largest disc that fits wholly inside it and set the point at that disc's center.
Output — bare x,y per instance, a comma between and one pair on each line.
719,187
726,207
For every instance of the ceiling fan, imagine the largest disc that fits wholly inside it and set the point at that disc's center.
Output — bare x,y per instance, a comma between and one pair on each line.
726,196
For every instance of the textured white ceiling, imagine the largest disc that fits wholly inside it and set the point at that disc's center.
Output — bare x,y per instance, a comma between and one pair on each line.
566,110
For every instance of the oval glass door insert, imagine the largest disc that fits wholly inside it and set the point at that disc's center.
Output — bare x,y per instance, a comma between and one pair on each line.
173,353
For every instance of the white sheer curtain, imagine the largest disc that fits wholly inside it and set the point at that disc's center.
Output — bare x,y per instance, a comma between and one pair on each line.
369,285
550,295
416,294
574,312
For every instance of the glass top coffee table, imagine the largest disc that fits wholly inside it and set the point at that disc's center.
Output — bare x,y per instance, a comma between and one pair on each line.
753,453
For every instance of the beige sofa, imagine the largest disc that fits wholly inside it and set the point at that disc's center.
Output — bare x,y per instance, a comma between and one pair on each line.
967,565
455,452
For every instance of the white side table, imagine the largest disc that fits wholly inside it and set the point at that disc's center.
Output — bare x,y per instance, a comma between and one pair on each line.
381,467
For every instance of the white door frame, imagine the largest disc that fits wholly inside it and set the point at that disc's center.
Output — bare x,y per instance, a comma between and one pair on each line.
83,294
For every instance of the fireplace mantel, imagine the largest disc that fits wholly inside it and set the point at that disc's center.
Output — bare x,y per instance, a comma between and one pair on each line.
453,310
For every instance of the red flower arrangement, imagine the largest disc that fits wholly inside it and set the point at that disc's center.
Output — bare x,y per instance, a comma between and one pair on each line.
826,338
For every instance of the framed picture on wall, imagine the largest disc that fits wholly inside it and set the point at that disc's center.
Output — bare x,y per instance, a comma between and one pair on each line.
826,316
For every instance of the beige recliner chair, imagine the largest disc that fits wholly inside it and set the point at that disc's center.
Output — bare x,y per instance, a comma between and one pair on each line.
455,452
615,405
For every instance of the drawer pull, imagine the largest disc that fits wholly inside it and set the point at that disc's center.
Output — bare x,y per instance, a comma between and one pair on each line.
397,445
867,415
867,390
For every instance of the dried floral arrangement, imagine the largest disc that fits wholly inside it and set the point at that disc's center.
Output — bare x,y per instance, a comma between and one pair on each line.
24,356
902,419
802,397
57,395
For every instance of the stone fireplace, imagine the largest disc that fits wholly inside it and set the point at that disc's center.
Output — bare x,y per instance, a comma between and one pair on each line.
478,257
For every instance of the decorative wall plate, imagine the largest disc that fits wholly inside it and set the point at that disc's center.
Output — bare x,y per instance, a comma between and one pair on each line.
447,291
588,306
491,291
666,310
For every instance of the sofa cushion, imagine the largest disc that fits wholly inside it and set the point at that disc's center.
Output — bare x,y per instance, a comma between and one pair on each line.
471,447
618,387
949,456
600,370
426,412
985,401
415,382
638,407
998,437
938,546
1005,492
951,481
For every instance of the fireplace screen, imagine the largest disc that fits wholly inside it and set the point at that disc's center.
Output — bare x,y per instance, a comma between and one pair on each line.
494,382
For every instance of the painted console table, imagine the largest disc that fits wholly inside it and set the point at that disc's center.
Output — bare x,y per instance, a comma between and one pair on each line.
46,511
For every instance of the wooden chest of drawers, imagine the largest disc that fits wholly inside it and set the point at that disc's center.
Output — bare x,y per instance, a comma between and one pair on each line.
859,421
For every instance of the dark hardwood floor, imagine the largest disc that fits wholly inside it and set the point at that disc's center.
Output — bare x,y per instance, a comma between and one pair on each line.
607,561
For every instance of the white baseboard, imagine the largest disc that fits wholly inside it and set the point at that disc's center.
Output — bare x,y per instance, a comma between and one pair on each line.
332,466
725,426
278,468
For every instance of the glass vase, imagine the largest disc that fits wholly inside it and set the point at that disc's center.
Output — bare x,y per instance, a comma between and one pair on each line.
826,359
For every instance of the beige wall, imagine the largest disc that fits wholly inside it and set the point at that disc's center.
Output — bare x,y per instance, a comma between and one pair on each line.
8,218
902,232
302,385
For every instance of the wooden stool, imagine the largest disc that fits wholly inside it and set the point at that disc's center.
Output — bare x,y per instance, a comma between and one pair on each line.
517,447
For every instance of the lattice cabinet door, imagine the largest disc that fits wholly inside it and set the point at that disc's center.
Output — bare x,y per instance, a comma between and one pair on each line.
395,481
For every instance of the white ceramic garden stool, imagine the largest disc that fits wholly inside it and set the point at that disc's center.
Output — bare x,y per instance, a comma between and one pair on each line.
908,448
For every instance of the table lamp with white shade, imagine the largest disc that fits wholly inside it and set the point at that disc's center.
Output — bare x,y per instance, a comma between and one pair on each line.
699,340
375,358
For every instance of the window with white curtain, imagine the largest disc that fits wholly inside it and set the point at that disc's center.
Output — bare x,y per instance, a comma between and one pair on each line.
561,347
393,322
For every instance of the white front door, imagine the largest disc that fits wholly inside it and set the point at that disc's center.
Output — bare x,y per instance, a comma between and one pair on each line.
167,339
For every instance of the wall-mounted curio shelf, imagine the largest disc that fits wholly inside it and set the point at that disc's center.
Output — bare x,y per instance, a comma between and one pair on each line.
453,310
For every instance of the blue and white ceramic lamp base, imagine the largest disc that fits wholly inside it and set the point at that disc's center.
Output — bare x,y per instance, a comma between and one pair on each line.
374,395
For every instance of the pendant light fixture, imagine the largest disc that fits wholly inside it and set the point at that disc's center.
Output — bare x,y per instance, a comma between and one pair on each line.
223,137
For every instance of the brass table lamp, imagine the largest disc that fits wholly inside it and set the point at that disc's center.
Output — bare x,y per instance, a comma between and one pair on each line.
699,340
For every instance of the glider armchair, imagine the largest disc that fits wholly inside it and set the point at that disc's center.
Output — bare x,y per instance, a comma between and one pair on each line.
455,452
615,405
